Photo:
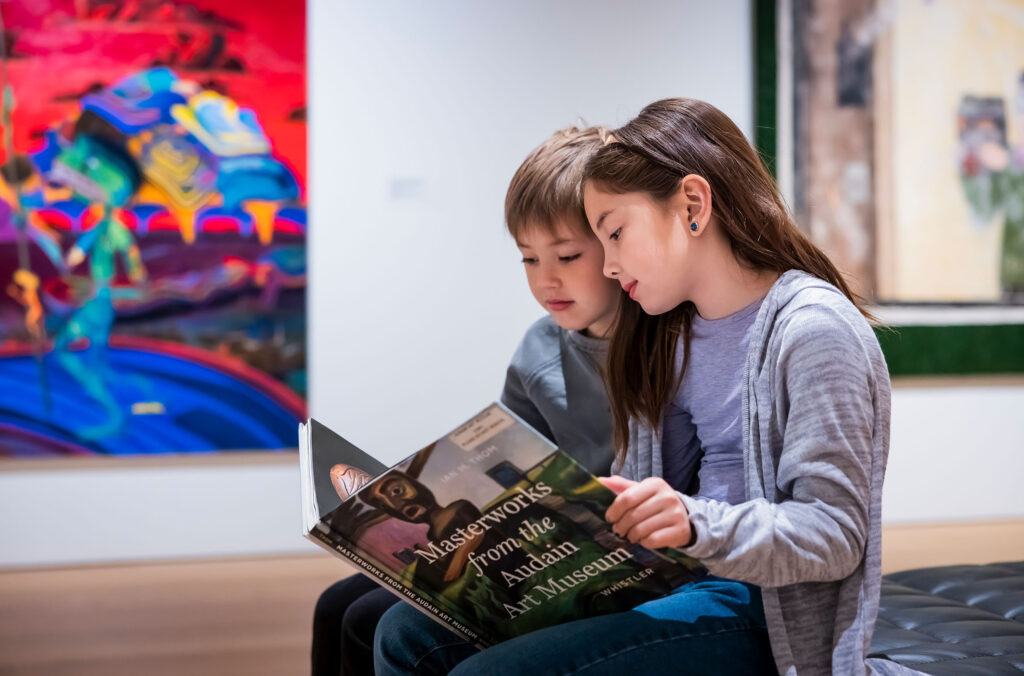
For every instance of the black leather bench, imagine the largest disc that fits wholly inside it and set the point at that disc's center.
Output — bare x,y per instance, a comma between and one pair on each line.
953,620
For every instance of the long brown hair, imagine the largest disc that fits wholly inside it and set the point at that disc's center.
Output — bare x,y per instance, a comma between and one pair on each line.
668,140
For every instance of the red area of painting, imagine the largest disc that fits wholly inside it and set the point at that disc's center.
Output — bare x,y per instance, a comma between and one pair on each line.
163,221
54,218
128,219
220,224
283,225
90,217
94,43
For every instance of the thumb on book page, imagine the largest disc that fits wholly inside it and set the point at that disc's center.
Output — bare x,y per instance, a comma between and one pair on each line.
615,484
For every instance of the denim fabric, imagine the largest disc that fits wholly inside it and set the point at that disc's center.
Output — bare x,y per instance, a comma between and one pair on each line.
712,626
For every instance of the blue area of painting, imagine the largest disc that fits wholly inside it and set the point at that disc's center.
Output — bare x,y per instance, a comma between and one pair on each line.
51,148
295,215
205,409
242,219
144,213
73,209
254,177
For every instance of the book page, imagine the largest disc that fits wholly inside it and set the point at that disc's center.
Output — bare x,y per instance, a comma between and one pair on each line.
340,468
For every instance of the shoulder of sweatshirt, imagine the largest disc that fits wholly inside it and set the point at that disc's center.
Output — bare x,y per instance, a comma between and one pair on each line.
811,308
818,325
539,349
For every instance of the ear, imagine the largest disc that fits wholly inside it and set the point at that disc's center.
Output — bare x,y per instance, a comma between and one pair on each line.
693,203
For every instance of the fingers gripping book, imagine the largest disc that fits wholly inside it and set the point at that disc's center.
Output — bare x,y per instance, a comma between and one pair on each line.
490,530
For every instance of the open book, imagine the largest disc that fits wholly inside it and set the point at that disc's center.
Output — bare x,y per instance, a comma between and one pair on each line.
491,529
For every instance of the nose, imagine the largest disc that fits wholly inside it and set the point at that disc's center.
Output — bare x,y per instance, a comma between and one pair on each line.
549,277
611,267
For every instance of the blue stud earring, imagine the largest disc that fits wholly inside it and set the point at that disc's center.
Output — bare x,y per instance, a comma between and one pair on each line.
693,226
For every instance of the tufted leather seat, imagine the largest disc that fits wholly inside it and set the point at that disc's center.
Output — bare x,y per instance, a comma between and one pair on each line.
953,620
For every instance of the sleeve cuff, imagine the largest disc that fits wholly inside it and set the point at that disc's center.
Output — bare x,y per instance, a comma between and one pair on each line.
705,545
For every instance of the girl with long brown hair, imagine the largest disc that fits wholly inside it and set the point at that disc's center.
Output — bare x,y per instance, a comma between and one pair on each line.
747,367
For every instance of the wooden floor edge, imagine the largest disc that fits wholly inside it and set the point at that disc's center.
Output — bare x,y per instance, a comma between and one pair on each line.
315,555
923,545
1008,522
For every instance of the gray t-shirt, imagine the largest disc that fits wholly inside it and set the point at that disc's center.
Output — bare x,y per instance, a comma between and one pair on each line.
702,423
554,383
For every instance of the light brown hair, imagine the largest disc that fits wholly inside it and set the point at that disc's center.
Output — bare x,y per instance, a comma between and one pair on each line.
548,186
667,141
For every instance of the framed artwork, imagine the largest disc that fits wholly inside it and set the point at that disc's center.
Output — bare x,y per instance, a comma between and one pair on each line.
950,148
152,227
896,131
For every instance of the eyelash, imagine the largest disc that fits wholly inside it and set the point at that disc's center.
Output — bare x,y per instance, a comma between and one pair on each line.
561,259
615,235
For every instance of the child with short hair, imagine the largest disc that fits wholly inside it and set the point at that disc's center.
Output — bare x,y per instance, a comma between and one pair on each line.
554,381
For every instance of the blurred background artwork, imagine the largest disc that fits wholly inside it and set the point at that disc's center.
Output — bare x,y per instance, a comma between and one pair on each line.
907,144
152,227
957,197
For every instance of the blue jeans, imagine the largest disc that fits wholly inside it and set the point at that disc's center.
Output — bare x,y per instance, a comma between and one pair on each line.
712,626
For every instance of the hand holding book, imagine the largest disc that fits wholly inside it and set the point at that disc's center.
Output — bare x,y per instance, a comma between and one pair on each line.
648,512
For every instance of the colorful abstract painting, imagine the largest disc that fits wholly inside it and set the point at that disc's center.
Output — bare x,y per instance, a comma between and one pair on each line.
152,226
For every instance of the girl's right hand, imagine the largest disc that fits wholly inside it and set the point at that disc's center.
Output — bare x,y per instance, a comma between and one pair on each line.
649,513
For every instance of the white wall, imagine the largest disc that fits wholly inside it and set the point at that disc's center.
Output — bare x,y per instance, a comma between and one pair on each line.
55,516
956,453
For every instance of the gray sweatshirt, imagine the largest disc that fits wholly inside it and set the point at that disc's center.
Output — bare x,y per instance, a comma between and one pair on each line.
815,440
554,383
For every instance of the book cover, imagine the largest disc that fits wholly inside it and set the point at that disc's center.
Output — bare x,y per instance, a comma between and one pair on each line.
491,529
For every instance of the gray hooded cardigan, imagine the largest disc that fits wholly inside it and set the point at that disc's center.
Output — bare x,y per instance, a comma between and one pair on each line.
816,405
